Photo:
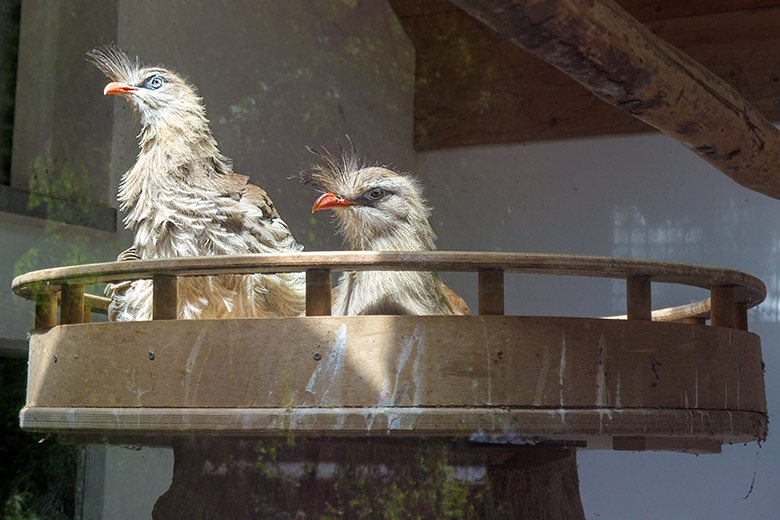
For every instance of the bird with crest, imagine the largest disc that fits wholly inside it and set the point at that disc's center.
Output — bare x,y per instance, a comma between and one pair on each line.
181,198
379,209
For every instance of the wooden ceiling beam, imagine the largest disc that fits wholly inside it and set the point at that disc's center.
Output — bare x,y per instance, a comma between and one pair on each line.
608,51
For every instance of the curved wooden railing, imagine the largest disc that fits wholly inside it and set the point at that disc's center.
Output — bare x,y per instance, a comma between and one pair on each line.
732,292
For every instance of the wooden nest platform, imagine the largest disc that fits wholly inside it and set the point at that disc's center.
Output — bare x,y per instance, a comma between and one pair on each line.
642,382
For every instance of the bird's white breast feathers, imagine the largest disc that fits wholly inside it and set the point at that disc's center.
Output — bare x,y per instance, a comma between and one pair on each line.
389,292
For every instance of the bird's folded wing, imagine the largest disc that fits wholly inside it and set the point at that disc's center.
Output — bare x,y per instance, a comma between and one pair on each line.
456,303
238,186
117,290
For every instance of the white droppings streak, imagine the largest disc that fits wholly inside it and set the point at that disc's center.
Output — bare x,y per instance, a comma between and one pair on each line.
335,362
419,334
332,364
602,398
188,366
406,350
384,395
72,417
618,402
602,395
696,388
562,368
488,362
134,387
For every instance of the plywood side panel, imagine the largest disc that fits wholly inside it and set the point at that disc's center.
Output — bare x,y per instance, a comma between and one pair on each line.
397,361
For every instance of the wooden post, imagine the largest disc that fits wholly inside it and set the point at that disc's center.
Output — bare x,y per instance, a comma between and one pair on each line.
638,298
723,307
165,297
72,304
86,314
491,291
45,310
318,297
740,316
538,482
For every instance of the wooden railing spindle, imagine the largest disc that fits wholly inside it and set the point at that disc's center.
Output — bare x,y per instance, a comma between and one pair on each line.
318,296
45,310
165,297
723,307
491,291
638,298
72,304
734,291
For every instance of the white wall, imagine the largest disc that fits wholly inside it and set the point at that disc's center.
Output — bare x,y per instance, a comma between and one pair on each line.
277,76
641,196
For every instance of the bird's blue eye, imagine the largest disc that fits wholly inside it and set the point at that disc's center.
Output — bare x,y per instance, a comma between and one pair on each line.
375,193
154,82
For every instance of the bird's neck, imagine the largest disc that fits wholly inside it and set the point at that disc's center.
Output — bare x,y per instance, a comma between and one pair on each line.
412,236
166,148
178,139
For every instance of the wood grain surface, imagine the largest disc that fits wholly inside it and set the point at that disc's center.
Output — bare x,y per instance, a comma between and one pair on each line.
747,288
406,373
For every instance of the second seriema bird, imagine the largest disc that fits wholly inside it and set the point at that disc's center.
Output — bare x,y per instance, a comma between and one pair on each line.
378,209
182,198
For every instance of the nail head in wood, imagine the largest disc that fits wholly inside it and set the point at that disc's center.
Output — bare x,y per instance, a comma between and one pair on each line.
72,304
723,307
45,311
638,298
165,297
318,298
491,291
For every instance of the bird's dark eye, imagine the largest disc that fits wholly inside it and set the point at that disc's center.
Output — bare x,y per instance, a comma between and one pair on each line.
154,82
375,193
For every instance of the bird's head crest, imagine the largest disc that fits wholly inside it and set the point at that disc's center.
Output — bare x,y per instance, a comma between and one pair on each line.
332,172
377,207
159,96
114,63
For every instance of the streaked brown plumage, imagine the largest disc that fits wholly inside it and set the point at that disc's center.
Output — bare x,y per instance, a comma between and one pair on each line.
378,209
181,198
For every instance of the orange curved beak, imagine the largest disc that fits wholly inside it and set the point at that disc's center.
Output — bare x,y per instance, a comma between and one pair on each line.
115,87
329,201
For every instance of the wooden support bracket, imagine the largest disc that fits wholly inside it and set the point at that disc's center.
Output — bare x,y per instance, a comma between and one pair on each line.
617,58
